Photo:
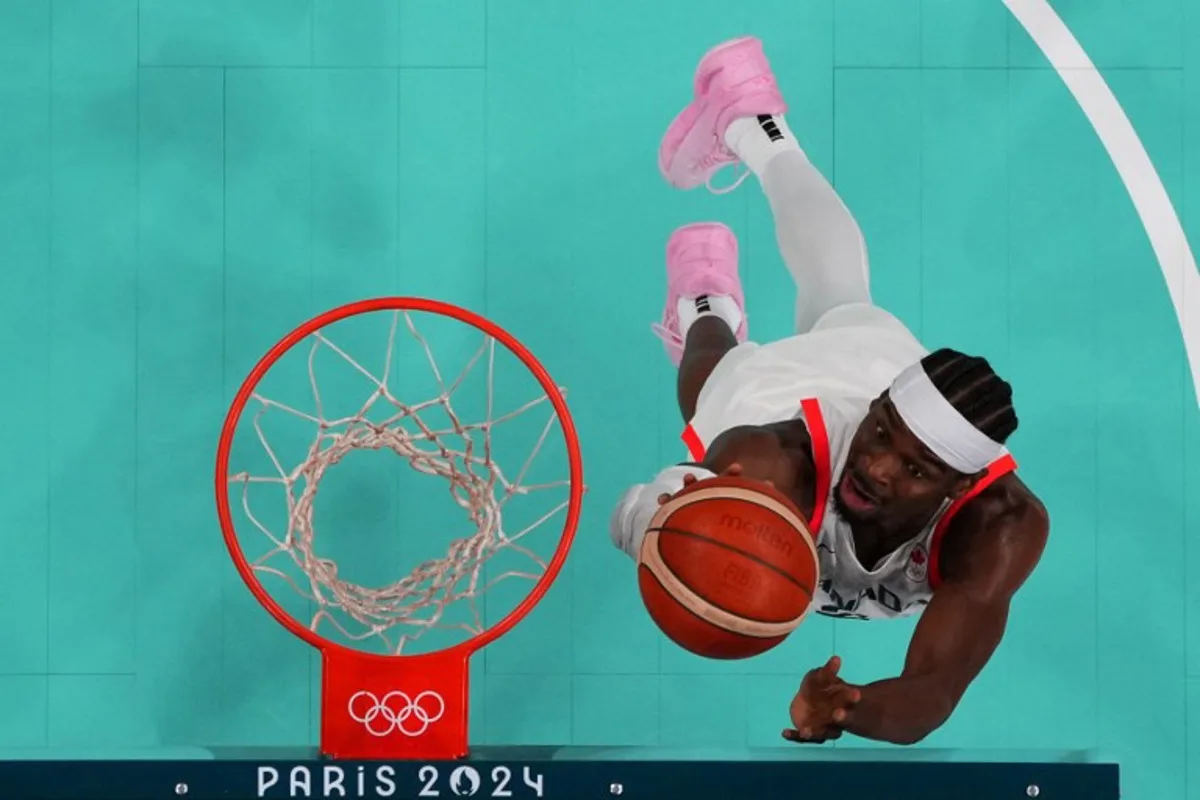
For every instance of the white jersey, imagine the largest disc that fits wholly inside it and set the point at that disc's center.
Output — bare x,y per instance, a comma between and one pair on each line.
828,377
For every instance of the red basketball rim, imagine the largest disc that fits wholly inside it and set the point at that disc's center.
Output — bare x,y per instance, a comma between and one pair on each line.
575,499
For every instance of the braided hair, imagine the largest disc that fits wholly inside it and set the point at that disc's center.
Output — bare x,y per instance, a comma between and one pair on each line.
971,385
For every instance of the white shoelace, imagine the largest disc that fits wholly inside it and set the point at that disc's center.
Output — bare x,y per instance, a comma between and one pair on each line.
666,334
741,172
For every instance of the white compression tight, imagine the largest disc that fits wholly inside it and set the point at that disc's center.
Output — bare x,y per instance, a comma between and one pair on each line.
821,243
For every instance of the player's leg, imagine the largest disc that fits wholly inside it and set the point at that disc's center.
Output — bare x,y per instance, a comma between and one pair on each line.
708,340
703,317
736,115
819,239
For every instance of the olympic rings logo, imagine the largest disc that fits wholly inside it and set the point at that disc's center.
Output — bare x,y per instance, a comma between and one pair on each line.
396,712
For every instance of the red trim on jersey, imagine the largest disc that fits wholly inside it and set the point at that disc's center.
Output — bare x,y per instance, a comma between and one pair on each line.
820,446
694,445
996,470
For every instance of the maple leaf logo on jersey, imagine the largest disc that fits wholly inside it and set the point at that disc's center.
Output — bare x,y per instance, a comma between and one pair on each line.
917,568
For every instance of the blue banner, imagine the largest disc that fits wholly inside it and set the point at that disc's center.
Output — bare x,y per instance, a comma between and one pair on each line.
554,780
197,780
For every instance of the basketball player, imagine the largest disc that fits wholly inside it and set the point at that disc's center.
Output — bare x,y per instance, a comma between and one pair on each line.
895,455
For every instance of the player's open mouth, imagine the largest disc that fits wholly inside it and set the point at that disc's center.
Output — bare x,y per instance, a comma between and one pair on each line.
856,496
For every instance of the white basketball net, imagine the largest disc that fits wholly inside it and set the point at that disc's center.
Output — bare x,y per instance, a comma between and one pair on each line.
402,611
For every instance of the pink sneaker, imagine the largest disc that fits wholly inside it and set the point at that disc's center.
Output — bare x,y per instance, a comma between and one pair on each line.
733,80
701,259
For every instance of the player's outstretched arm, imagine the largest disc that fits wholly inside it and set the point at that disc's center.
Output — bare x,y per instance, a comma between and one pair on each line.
955,637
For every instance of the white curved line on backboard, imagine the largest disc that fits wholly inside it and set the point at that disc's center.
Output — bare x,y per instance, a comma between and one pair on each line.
1133,164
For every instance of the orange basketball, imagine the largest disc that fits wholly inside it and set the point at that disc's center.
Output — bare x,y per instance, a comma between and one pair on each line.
727,568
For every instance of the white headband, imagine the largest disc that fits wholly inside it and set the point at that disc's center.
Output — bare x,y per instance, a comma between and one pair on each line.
939,425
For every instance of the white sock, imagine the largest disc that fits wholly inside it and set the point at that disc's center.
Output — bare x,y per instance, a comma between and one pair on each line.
756,140
709,305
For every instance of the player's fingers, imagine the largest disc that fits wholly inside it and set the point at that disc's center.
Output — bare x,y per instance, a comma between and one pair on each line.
842,703
842,693
689,479
664,497
807,736
797,734
734,469
830,670
832,686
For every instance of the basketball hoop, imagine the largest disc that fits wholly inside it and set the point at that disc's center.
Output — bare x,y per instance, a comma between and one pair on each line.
397,705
